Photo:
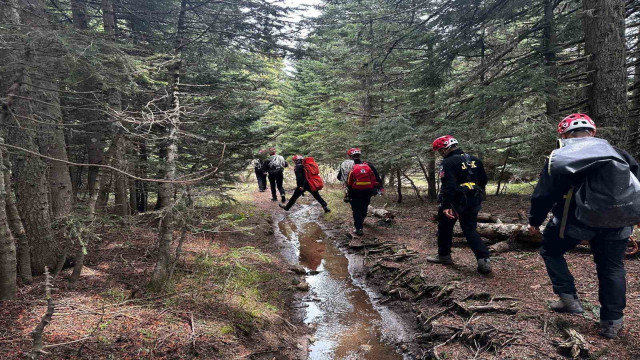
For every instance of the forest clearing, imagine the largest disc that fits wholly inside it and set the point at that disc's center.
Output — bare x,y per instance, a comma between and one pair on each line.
319,179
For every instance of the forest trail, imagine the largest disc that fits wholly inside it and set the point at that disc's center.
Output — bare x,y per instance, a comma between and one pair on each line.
344,316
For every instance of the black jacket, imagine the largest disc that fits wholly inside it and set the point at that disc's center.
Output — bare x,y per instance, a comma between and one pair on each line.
301,179
550,191
454,171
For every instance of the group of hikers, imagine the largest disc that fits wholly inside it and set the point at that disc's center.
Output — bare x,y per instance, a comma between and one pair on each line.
590,187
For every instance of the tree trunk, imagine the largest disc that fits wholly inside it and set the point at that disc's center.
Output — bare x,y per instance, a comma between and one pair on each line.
431,181
120,186
79,14
142,189
8,264
17,229
162,268
52,144
399,185
549,40
605,44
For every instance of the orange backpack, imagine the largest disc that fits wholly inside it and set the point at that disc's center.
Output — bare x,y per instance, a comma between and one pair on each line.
312,174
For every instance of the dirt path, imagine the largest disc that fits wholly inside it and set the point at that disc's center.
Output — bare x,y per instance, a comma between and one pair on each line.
515,321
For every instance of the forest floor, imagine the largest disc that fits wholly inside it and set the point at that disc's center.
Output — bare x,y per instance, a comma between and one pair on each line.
520,325
230,297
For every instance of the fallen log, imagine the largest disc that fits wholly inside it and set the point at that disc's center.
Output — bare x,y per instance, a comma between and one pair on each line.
501,232
383,214
482,218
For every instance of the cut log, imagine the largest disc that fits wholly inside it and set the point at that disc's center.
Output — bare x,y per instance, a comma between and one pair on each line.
384,214
501,232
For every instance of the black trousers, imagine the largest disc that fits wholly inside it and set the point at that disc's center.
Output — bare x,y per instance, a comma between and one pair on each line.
609,258
298,193
275,180
468,222
262,180
360,200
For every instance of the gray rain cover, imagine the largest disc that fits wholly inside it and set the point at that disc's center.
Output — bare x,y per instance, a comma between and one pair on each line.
609,197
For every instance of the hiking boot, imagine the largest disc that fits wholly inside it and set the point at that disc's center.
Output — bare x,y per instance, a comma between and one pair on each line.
359,232
568,303
484,266
283,199
610,328
437,259
326,209
274,199
284,207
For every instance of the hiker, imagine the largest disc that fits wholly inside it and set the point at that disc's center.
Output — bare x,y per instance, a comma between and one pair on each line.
307,179
463,182
565,188
261,174
362,182
274,166
343,175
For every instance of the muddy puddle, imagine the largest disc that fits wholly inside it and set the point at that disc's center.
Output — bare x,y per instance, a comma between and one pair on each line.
346,321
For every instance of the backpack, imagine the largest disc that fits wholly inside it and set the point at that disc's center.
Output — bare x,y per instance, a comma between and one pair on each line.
607,194
362,177
312,174
276,164
257,164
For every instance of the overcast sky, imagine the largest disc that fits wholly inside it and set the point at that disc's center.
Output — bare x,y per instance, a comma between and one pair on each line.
298,15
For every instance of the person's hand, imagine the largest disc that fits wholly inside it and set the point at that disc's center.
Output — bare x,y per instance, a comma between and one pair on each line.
533,230
450,213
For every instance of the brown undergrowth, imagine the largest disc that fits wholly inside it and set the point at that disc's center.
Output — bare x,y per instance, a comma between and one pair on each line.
229,297
464,315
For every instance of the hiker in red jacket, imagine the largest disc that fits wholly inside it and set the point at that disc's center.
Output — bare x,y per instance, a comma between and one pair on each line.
303,184
362,183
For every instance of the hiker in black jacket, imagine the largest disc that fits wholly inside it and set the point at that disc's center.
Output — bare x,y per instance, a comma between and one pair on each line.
463,184
359,195
302,186
564,232
274,166
261,173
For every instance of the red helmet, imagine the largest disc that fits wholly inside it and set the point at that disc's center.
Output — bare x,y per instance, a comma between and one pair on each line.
443,142
297,157
353,151
576,121
262,151
272,151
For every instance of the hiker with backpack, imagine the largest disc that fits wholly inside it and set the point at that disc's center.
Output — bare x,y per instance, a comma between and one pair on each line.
362,182
592,189
274,166
463,182
307,179
261,174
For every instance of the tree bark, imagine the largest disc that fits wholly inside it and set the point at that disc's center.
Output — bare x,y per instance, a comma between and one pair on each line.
120,188
17,229
605,44
549,41
162,268
8,260
399,185
79,14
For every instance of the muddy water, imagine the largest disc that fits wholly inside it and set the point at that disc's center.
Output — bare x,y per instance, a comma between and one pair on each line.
348,323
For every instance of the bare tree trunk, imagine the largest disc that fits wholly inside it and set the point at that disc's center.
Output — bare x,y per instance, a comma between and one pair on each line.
17,229
605,44
431,167
8,260
504,167
162,268
413,185
142,189
79,14
549,40
399,178
120,188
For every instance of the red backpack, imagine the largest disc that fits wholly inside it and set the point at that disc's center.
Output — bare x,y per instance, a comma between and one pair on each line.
312,174
362,177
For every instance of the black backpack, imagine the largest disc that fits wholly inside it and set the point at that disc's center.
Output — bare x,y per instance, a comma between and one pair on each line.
607,194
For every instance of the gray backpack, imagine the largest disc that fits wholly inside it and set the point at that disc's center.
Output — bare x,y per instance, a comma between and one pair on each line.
609,194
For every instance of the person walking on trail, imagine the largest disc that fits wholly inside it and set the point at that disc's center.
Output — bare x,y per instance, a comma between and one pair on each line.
463,182
343,175
362,182
578,185
307,179
274,166
261,174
